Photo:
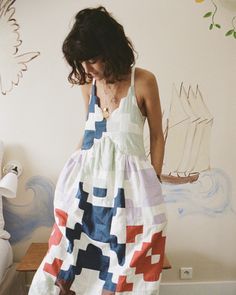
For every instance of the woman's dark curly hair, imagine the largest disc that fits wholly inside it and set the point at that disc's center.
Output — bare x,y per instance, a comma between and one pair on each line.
96,34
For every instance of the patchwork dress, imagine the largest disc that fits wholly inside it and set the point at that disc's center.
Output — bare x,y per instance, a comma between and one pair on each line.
108,237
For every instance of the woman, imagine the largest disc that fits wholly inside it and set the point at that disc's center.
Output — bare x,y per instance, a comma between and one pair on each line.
108,237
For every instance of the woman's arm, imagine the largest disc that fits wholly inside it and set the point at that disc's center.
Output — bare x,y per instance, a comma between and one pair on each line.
85,90
154,117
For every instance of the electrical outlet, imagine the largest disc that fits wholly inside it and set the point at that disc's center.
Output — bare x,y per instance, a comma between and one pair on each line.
186,273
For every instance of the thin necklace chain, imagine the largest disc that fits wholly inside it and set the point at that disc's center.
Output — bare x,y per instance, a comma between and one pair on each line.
110,98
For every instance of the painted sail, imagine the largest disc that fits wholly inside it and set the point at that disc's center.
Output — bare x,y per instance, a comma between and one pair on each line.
200,125
203,158
177,123
190,134
187,141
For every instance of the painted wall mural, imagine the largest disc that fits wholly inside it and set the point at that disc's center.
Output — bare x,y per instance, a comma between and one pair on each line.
12,64
187,136
212,15
210,195
22,220
188,178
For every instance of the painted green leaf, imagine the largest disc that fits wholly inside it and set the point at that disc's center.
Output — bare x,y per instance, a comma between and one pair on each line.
218,26
211,27
230,32
207,14
235,35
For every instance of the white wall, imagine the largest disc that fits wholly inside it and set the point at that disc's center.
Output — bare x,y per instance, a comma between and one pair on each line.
41,119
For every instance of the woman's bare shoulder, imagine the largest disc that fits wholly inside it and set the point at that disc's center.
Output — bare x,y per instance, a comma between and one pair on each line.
143,76
144,80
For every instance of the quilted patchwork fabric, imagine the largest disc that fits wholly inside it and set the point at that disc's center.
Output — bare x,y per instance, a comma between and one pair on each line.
110,219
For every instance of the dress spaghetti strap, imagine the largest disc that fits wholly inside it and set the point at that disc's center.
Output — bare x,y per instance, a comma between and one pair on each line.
132,76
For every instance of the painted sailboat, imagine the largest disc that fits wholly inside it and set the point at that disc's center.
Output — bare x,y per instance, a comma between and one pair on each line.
187,137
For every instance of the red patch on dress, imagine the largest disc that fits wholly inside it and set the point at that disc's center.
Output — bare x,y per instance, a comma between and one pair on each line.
143,262
122,285
53,268
132,231
55,237
62,217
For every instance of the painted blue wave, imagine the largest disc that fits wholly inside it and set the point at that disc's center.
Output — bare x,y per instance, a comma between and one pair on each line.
22,220
210,195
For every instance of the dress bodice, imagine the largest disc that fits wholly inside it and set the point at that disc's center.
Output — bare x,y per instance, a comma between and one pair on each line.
124,126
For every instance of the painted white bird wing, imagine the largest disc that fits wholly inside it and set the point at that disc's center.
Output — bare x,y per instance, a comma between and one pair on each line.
11,64
9,30
11,70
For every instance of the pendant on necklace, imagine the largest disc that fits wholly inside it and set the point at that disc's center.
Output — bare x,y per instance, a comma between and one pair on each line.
105,113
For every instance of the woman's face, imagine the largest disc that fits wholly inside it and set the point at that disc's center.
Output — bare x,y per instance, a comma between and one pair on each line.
94,67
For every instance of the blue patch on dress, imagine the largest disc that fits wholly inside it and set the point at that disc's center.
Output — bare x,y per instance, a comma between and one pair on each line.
91,258
100,126
99,192
96,223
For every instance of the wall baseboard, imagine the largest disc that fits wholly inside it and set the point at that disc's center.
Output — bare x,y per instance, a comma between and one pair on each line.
199,288
196,288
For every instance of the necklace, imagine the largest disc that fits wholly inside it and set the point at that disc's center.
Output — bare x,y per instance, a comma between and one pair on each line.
109,99
105,113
